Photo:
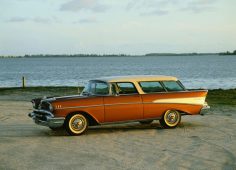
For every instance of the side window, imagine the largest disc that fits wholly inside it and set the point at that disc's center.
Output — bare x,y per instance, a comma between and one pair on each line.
172,86
102,88
151,86
126,88
99,88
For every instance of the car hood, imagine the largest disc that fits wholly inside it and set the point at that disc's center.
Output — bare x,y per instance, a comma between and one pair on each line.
69,97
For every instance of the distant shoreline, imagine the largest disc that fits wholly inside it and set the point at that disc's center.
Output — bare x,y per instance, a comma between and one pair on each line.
113,55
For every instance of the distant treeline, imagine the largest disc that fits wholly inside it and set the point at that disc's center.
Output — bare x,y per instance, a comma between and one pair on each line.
116,55
65,55
179,54
228,53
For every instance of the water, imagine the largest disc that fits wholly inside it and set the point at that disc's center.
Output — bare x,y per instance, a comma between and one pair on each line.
194,71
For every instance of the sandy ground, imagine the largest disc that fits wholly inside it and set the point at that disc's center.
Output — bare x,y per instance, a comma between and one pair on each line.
200,142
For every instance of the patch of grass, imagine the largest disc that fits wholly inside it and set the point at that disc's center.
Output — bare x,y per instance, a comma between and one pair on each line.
214,97
222,97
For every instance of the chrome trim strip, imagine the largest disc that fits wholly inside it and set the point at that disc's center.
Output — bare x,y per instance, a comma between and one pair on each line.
173,103
120,104
97,105
78,107
169,92
128,121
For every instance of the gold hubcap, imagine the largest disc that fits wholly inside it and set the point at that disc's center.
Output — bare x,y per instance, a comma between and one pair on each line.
172,118
77,123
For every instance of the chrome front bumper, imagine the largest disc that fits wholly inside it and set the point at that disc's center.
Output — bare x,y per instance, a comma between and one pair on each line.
46,118
204,109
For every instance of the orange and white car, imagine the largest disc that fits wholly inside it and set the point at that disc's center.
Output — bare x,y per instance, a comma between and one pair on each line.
121,99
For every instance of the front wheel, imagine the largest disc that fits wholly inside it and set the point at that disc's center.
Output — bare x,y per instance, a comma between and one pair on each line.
76,124
170,119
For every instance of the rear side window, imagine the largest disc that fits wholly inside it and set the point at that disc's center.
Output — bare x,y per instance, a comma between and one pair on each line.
151,87
126,88
172,86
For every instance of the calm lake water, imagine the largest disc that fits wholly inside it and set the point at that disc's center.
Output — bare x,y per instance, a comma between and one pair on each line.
194,71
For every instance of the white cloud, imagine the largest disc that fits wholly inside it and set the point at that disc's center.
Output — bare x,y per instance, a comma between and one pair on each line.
79,5
87,20
163,7
17,19
33,19
199,5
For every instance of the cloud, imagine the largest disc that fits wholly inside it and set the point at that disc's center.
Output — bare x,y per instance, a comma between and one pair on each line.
17,19
33,19
87,20
79,5
198,6
164,7
41,20
155,12
150,7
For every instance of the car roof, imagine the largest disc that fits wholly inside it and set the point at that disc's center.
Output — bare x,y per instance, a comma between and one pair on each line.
135,78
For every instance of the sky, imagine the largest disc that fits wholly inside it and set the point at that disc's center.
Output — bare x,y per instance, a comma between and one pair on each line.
133,27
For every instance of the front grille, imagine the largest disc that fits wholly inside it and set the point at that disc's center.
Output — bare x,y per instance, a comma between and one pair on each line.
44,106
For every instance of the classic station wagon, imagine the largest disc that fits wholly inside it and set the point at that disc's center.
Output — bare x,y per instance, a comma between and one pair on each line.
121,99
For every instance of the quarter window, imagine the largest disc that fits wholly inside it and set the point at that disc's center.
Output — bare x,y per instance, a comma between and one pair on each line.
172,86
151,87
126,88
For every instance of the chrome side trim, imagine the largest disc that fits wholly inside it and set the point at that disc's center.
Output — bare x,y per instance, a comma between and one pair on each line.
128,121
78,107
120,104
62,108
97,105
174,103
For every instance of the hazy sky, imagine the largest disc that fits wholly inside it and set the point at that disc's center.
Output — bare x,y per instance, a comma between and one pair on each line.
116,26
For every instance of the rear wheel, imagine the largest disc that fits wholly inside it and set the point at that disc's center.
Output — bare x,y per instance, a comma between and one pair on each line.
146,122
170,119
76,124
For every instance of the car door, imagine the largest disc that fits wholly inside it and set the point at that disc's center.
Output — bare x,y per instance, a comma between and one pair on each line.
126,105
